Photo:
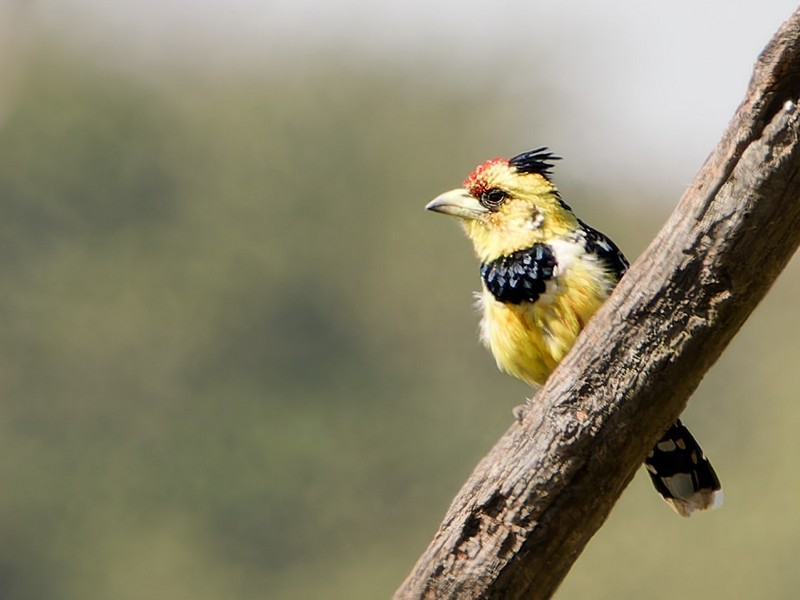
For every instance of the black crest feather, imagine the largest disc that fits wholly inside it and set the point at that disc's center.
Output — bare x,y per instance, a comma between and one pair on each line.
534,161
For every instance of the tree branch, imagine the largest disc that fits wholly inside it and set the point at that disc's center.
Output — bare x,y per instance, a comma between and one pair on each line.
531,505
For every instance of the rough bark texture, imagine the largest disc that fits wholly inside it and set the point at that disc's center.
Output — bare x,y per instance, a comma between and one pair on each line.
531,505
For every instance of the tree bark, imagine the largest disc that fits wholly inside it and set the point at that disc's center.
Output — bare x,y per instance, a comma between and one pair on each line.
531,505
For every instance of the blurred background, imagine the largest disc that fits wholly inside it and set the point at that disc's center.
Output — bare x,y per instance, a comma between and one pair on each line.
239,359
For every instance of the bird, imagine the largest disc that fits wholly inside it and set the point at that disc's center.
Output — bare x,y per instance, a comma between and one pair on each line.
544,273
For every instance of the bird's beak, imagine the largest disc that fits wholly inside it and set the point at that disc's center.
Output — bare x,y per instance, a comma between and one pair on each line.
458,203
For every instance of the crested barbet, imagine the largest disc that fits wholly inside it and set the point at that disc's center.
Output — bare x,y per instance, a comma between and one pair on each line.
544,274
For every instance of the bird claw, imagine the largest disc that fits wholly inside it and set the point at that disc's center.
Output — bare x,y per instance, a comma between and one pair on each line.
519,411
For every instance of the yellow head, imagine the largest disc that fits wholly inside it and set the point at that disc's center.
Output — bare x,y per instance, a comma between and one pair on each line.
508,205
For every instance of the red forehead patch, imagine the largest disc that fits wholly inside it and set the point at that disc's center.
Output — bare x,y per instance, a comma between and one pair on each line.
478,180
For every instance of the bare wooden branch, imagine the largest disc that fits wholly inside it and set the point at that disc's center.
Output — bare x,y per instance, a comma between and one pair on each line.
531,505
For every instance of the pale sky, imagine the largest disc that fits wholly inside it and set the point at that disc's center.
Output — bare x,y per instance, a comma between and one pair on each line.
646,83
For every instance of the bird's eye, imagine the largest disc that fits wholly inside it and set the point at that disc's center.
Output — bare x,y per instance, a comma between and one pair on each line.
493,198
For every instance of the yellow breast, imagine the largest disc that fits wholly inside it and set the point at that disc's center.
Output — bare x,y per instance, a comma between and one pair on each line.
528,340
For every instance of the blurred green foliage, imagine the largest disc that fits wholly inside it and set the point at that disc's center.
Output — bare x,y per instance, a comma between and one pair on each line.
240,360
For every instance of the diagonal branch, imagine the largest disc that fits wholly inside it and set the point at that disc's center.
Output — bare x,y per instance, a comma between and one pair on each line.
531,505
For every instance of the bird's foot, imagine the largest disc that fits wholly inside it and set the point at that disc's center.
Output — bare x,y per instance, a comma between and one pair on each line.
519,411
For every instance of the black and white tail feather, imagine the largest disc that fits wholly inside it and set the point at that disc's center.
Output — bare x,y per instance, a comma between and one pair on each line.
682,474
